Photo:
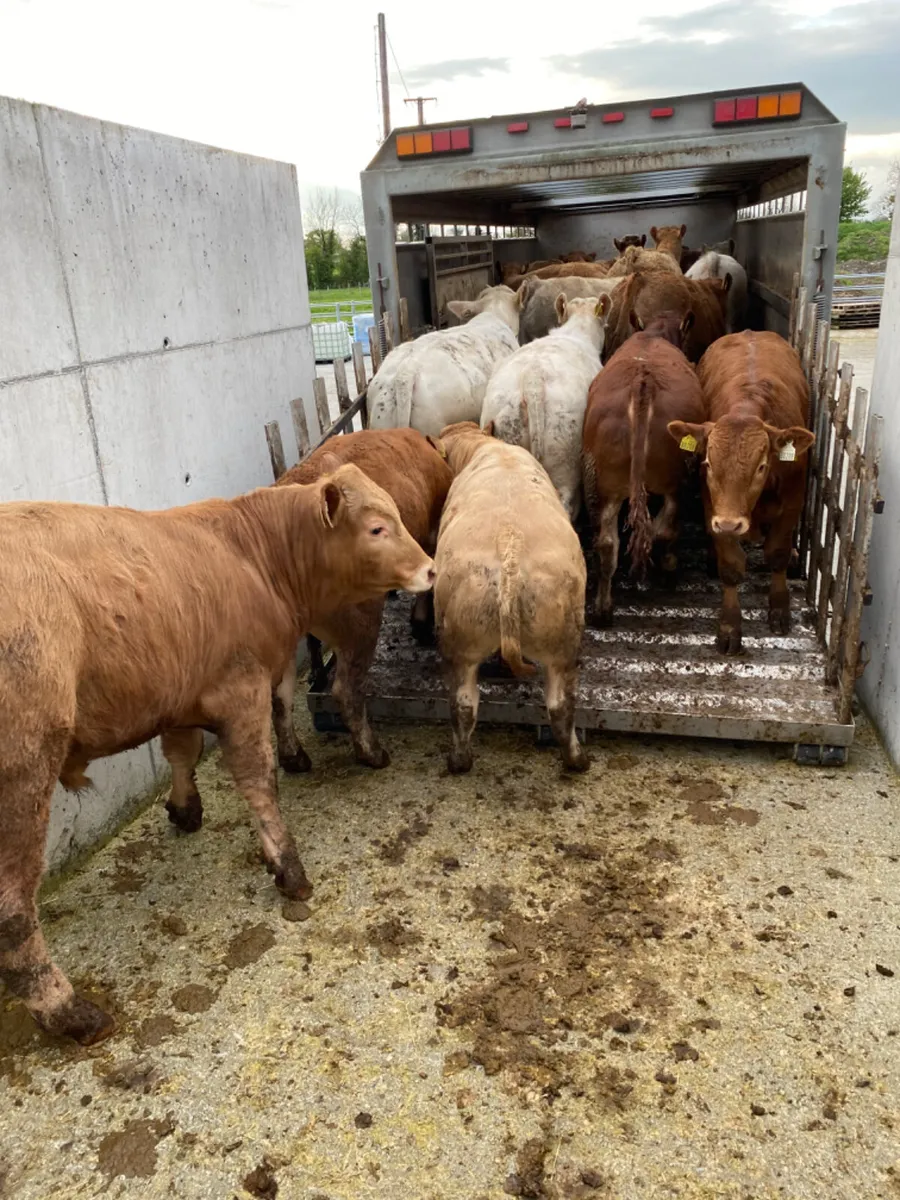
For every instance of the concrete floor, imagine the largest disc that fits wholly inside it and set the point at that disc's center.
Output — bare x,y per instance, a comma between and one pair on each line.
858,346
675,977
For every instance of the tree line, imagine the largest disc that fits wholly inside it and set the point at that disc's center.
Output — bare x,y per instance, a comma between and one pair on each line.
856,192
335,242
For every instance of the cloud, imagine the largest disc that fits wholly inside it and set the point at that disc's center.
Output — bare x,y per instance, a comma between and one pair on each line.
848,56
455,68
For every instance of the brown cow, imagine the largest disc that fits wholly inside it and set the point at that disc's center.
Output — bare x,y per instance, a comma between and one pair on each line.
514,270
647,295
755,443
630,239
669,239
588,270
413,470
627,450
510,574
117,626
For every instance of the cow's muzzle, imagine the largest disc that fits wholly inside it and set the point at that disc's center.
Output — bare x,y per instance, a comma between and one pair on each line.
735,525
422,580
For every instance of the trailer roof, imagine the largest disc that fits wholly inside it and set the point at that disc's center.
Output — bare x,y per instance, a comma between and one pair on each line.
646,153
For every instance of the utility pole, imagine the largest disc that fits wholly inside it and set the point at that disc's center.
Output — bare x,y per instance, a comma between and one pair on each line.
385,86
420,102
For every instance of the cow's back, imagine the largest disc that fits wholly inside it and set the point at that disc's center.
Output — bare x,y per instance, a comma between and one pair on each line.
402,461
748,360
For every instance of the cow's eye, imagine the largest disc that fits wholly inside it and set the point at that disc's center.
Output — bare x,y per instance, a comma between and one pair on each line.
762,466
377,530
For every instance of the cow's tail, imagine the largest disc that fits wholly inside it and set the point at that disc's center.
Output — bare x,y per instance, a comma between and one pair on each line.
510,544
404,393
534,412
641,541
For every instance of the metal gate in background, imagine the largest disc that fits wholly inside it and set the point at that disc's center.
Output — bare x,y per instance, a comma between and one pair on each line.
458,269
657,669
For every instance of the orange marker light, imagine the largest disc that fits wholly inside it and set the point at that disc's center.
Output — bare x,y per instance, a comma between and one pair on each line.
422,143
768,106
406,144
789,105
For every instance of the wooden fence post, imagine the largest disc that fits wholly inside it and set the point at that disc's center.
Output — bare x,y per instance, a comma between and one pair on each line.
388,332
340,379
276,449
359,368
374,349
301,429
321,394
404,320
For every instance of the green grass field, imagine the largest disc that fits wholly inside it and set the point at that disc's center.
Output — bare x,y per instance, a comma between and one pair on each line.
867,240
333,295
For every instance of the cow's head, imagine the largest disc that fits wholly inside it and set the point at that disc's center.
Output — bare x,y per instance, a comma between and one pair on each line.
588,312
671,326
462,441
739,455
669,238
630,239
370,547
500,301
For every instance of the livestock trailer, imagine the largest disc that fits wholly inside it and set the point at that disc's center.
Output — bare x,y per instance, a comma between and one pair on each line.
760,165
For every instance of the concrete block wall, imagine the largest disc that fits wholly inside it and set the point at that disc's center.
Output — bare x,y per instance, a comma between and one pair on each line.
879,687
154,315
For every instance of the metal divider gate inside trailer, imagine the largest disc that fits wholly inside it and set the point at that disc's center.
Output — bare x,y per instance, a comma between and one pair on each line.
657,670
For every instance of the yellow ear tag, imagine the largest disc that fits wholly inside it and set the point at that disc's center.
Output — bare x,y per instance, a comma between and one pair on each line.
787,453
442,450
688,442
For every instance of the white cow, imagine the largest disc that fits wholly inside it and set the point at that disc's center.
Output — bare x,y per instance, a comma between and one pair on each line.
537,398
441,377
713,265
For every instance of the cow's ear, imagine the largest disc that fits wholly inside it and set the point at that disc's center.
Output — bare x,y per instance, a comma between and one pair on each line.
795,436
560,305
329,462
462,309
603,305
644,239
617,242
683,231
590,257
522,294
690,437
687,324
635,321
488,430
331,500
437,444
653,232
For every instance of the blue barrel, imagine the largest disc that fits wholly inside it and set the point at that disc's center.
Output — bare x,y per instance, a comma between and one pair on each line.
362,323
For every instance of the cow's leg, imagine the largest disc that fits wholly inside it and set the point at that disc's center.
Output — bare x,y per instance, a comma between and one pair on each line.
732,563
422,619
559,692
463,688
291,755
606,549
355,637
777,549
665,530
240,710
182,748
25,963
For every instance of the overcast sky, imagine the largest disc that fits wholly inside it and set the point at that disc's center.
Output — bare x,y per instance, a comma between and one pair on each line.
295,79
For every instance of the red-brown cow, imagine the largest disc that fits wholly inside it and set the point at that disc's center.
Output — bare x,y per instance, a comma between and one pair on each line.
627,450
413,470
117,626
755,443
647,295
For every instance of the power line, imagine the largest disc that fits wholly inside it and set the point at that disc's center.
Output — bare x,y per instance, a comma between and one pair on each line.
397,65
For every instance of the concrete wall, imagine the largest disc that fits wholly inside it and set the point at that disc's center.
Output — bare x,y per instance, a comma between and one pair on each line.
880,685
155,316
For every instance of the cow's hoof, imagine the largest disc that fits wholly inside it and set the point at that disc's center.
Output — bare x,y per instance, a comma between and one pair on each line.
577,762
423,633
377,757
297,763
459,762
290,878
187,817
80,1020
780,620
728,641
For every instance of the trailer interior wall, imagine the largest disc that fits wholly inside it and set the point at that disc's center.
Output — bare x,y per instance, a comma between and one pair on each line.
155,316
558,233
880,683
